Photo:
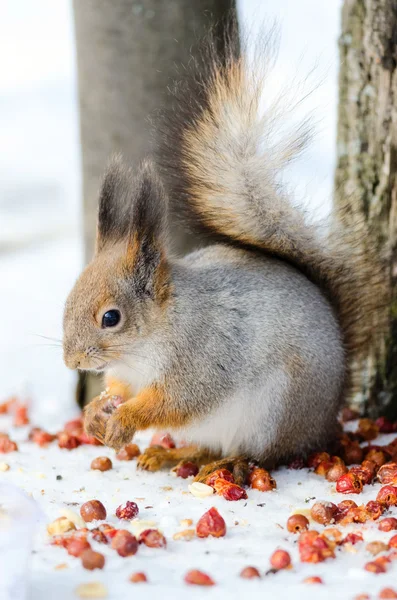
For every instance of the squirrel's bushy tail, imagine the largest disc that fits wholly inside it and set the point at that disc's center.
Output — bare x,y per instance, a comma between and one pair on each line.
221,160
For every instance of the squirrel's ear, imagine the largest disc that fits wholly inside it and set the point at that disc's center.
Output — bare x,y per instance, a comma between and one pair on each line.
131,207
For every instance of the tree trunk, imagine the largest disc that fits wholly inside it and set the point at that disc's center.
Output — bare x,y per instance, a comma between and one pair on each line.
367,163
126,55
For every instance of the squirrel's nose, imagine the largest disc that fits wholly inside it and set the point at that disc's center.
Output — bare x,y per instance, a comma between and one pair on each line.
72,361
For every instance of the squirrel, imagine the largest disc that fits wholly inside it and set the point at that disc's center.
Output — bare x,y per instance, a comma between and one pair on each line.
245,347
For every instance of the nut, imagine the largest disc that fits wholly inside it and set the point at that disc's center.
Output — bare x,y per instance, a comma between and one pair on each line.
101,463
388,524
376,547
75,546
94,589
67,441
72,516
280,559
128,452
92,560
4,467
211,524
60,526
250,573
152,538
187,469
40,437
125,543
128,512
323,512
297,523
349,484
93,510
185,535
138,578
196,577
200,490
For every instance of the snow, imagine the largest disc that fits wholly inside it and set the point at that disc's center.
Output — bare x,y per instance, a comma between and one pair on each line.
255,528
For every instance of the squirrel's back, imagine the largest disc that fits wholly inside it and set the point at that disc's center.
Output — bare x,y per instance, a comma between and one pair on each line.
220,161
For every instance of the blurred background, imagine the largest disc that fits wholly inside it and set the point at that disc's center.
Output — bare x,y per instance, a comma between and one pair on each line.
41,249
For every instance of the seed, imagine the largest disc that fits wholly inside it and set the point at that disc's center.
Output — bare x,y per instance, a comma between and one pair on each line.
92,560
125,543
280,559
196,577
138,578
250,573
200,490
101,463
128,512
93,589
72,516
185,535
297,523
93,510
211,524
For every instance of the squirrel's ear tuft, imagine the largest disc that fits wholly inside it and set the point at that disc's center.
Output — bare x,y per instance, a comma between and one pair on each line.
131,205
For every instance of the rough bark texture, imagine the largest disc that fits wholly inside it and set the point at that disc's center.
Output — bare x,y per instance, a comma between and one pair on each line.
367,161
126,54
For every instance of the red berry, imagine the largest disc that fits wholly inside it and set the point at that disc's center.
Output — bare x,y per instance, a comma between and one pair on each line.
211,524
128,512
349,484
280,559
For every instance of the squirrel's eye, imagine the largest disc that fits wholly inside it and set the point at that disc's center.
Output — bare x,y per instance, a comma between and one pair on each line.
111,318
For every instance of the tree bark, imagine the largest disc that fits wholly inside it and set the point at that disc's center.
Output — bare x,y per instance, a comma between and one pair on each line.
367,163
126,55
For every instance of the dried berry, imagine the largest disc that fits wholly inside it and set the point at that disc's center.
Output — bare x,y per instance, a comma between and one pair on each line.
363,474
261,480
92,560
374,509
101,463
99,536
280,559
384,425
152,538
108,530
315,459
75,546
162,439
352,453
337,470
377,456
352,538
219,474
187,469
21,416
388,473
128,452
393,542
314,548
388,524
125,543
250,573
367,429
196,577
138,578
312,580
387,593
343,508
128,512
93,510
6,406
349,484
297,523
211,523
7,445
67,441
324,512
229,491
375,567
40,437
387,495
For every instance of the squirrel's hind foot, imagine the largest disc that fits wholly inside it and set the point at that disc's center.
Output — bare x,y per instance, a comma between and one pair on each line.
156,457
238,465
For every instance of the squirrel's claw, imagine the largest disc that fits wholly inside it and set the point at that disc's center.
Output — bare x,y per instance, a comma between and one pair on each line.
153,458
119,429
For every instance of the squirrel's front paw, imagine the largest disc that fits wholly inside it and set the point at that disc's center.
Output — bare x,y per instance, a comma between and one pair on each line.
98,412
120,428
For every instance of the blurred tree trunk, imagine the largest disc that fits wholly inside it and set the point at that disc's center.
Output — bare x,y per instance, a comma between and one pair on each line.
126,55
367,161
